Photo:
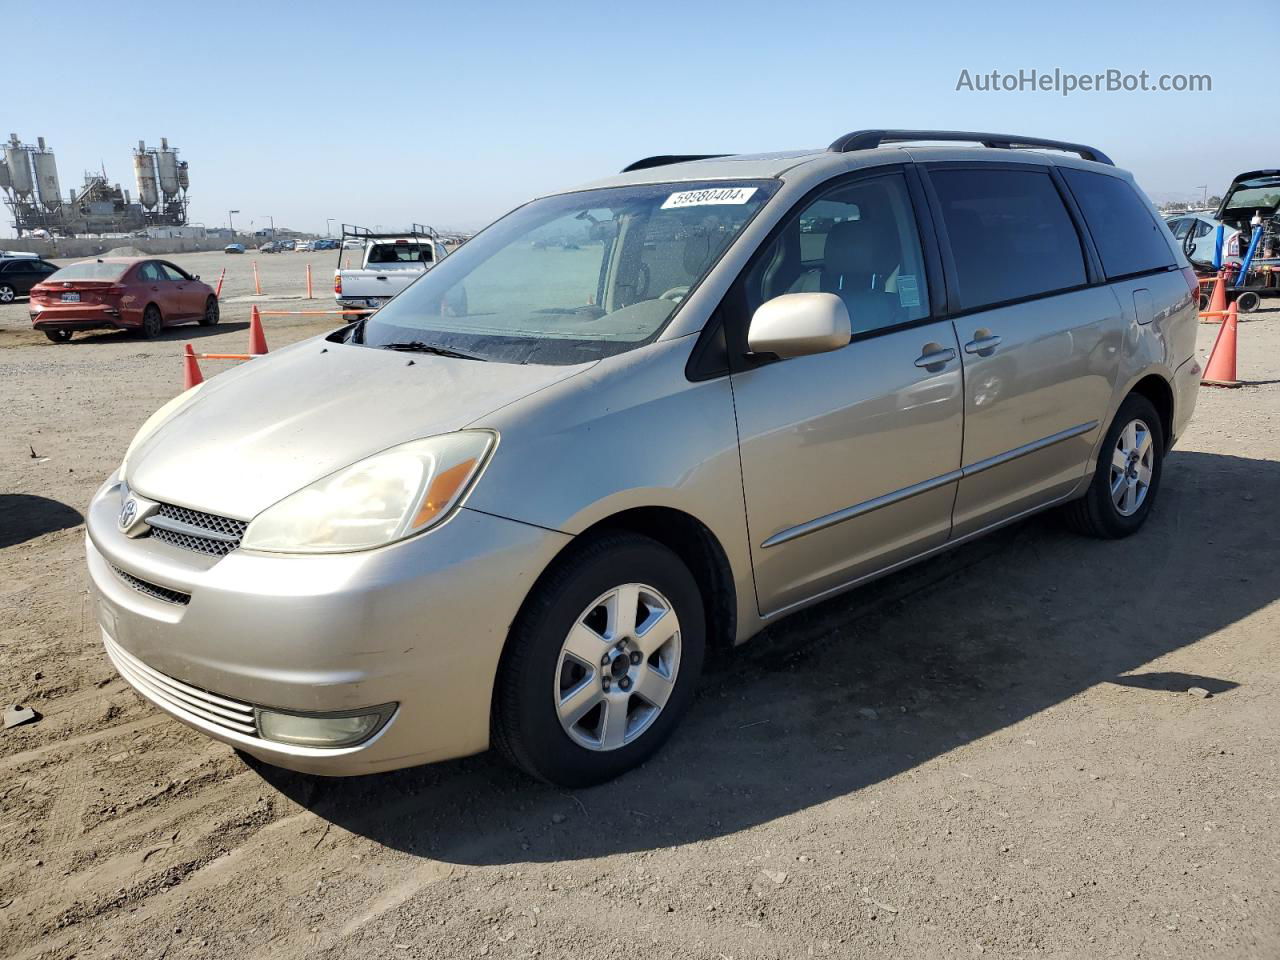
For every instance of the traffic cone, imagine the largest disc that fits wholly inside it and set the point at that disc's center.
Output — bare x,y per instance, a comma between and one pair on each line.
1218,299
191,375
257,339
1221,368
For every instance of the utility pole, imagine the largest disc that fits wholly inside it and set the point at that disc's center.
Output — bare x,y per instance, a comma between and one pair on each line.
328,226
231,225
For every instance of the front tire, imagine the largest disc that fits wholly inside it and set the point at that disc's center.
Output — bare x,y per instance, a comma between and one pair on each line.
602,662
210,318
152,322
1127,477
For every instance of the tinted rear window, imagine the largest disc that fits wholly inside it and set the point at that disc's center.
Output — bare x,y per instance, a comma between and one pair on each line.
91,270
1011,235
1128,237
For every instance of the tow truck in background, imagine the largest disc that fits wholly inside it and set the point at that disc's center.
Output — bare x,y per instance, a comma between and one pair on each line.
391,262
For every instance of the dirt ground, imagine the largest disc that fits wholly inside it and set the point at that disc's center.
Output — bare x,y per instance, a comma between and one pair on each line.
992,753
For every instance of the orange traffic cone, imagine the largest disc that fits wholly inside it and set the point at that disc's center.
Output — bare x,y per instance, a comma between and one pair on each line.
191,374
257,339
1221,369
1217,300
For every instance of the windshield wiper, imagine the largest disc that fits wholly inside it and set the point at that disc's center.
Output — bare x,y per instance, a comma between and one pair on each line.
417,346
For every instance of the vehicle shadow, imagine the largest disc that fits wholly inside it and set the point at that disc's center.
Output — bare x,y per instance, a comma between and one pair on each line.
871,684
24,517
187,331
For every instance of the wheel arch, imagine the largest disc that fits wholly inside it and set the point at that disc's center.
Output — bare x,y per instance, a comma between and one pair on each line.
1157,389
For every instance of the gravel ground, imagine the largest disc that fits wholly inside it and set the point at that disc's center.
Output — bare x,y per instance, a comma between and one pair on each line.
992,753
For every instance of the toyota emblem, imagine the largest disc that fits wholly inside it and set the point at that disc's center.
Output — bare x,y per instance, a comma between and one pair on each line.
128,513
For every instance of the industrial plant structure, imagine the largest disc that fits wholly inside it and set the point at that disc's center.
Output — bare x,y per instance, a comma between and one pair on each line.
29,181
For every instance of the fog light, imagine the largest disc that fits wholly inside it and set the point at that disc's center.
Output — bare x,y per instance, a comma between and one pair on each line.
323,729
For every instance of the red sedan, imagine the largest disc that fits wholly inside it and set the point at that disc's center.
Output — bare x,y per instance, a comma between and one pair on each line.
125,293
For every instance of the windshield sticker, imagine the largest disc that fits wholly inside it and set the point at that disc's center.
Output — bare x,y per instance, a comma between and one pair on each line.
908,290
704,198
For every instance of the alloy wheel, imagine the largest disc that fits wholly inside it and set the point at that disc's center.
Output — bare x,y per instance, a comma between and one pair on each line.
617,667
1131,465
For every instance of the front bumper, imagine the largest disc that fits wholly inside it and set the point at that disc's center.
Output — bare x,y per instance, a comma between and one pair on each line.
419,623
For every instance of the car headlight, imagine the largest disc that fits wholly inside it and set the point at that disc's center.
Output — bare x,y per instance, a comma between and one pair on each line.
386,497
152,422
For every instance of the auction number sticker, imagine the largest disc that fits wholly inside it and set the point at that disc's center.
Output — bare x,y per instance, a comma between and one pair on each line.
708,197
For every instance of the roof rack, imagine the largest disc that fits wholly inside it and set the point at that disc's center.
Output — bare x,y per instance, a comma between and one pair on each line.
415,230
870,139
664,160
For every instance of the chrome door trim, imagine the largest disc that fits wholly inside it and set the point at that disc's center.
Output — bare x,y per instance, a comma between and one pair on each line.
940,548
859,509
897,496
1033,447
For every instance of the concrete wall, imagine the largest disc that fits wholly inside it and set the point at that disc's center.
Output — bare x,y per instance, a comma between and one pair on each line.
69,247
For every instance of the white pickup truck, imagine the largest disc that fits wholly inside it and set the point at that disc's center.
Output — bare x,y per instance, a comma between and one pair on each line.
391,263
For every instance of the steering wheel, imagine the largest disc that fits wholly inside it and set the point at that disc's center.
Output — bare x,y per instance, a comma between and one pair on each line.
676,293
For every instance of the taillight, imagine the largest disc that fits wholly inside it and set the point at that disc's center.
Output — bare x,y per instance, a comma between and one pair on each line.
115,290
337,284
1193,283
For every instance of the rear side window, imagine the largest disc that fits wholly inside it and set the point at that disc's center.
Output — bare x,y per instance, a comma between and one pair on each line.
1011,236
1128,237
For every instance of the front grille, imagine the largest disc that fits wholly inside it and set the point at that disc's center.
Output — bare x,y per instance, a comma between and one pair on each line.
153,590
224,533
188,702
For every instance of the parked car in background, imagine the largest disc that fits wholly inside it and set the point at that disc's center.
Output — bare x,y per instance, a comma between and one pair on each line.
127,293
1196,233
301,246
271,246
19,274
517,505
391,263
233,248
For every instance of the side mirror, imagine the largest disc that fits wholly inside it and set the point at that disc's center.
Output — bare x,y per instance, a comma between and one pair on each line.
799,324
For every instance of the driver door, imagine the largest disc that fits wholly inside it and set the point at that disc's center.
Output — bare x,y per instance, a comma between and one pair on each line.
850,459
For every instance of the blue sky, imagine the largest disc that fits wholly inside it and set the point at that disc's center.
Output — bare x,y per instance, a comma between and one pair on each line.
452,113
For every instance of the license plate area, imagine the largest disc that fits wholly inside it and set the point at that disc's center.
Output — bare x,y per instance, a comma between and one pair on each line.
71,298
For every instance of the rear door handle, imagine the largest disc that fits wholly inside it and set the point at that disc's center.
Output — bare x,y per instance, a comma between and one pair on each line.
983,344
935,357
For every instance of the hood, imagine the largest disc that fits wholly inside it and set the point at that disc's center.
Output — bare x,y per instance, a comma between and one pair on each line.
258,433
1249,193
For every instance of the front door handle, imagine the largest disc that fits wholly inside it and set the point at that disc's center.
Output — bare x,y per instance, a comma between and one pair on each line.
935,357
984,343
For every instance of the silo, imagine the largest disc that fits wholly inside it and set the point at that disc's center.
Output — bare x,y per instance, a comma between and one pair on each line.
47,176
19,168
144,170
6,182
167,162
184,179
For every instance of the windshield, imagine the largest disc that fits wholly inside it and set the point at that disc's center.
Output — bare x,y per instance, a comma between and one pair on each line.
575,277
91,270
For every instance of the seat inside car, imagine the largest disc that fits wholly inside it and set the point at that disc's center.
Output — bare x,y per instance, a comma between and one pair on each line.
860,258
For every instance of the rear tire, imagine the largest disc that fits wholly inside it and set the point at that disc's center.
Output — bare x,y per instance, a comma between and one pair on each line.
1127,477
7,293
58,336
1248,302
579,656
210,318
152,322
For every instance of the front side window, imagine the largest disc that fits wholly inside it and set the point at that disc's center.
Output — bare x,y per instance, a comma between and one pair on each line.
171,272
574,277
1180,227
857,241
1127,236
1010,233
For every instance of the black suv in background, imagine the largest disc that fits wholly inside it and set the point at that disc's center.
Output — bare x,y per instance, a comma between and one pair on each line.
19,274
